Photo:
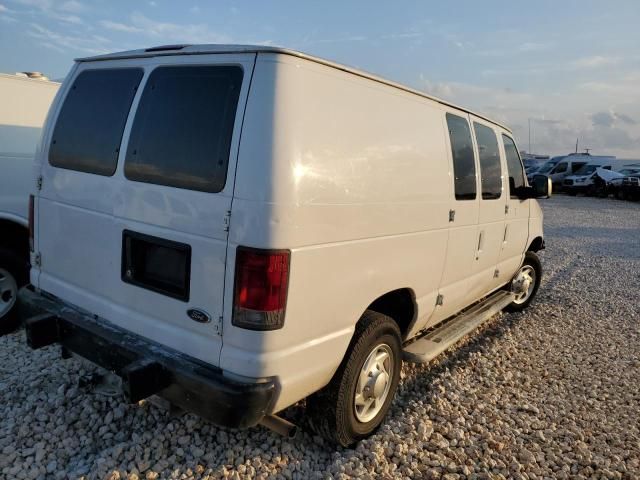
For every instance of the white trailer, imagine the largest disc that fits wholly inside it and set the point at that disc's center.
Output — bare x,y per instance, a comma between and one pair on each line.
24,103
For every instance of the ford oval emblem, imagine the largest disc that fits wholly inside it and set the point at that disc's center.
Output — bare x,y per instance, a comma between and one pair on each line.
198,315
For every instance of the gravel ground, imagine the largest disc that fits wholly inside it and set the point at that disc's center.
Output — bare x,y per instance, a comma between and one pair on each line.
549,393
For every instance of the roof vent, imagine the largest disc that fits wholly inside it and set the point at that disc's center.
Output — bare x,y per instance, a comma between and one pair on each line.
162,48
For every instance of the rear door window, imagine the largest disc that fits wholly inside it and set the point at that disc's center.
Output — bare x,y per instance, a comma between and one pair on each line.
490,170
89,128
181,135
464,166
514,165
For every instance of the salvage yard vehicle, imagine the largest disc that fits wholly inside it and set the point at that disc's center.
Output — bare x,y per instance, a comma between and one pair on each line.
583,180
237,228
24,102
629,188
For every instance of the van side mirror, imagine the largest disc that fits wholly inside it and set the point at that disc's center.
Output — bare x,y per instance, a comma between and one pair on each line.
542,186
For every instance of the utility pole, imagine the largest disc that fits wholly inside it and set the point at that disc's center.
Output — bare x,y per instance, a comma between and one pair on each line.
529,135
576,145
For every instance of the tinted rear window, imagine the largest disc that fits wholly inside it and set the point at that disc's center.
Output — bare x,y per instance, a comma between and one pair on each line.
490,171
181,136
89,128
464,167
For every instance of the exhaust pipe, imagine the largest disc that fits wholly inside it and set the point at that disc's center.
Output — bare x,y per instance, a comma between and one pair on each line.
279,425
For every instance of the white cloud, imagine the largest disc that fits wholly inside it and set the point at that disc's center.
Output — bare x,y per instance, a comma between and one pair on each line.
119,27
594,61
558,119
167,31
66,42
3,8
73,6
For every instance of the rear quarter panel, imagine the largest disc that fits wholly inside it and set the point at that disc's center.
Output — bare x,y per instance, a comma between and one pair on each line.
352,176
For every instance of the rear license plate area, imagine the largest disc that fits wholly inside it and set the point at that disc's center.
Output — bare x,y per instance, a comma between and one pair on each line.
157,264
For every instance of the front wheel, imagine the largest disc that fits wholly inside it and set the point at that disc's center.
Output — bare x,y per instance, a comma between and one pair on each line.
13,275
360,393
525,283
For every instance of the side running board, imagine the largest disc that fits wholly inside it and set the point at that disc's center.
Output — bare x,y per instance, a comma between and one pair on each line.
442,337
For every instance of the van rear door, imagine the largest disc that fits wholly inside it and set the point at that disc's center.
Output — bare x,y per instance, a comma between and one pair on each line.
137,183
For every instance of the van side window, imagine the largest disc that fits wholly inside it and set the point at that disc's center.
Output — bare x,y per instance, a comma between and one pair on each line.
577,166
464,166
490,170
181,135
560,168
89,128
514,164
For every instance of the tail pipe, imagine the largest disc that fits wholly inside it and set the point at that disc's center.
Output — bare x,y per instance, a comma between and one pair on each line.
279,425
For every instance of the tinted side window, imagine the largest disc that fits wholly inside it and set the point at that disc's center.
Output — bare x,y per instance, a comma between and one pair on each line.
514,166
490,171
560,168
181,136
464,167
89,128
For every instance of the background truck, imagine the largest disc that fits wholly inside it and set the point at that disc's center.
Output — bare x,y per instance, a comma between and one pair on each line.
24,102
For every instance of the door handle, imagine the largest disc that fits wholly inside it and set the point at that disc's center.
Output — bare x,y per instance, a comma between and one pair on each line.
480,244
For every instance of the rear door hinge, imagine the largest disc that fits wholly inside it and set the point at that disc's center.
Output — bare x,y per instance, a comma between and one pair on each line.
39,182
227,220
439,299
506,209
218,326
37,260
496,273
452,215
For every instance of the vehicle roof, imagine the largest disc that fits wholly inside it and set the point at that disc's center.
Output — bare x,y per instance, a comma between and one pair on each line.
203,49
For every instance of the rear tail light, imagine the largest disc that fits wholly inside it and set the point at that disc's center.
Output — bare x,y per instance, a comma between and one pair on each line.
260,291
31,223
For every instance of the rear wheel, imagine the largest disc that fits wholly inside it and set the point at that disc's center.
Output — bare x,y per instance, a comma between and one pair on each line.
13,275
525,283
358,397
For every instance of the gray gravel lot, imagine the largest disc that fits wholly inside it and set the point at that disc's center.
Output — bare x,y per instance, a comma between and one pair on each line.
553,392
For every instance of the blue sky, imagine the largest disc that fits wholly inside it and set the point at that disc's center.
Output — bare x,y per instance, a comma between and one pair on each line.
572,67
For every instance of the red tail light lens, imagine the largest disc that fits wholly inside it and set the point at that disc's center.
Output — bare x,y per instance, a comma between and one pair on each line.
260,292
31,222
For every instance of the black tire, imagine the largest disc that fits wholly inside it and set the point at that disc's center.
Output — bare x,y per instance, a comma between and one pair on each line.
532,260
331,411
18,268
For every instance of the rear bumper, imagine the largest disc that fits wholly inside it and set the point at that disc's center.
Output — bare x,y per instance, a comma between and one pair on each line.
146,368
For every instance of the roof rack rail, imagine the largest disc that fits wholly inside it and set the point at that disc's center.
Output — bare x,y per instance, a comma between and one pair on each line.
160,48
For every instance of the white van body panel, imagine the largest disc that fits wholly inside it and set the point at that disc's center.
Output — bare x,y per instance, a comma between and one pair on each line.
352,175
24,103
334,202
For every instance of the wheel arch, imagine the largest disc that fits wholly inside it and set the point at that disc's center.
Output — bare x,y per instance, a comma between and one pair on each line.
15,236
536,245
400,305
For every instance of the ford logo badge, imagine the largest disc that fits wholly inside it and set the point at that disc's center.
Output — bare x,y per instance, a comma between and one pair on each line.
198,315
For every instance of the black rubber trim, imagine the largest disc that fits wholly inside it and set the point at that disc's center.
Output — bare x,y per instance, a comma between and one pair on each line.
145,367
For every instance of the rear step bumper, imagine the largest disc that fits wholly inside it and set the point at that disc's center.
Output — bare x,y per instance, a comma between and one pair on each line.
146,368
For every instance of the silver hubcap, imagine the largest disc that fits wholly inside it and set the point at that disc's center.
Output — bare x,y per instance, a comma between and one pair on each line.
523,283
8,292
374,383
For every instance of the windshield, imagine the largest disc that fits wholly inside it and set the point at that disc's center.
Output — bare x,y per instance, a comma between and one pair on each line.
548,166
587,170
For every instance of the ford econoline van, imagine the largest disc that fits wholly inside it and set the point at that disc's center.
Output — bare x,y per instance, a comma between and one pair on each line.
237,228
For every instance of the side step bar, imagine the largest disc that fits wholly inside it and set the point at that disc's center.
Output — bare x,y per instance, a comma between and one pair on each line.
442,337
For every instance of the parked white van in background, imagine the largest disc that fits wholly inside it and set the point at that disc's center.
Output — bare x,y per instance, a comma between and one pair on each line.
582,180
570,164
24,102
237,228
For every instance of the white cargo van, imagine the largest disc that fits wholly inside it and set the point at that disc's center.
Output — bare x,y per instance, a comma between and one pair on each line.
237,228
582,180
24,102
